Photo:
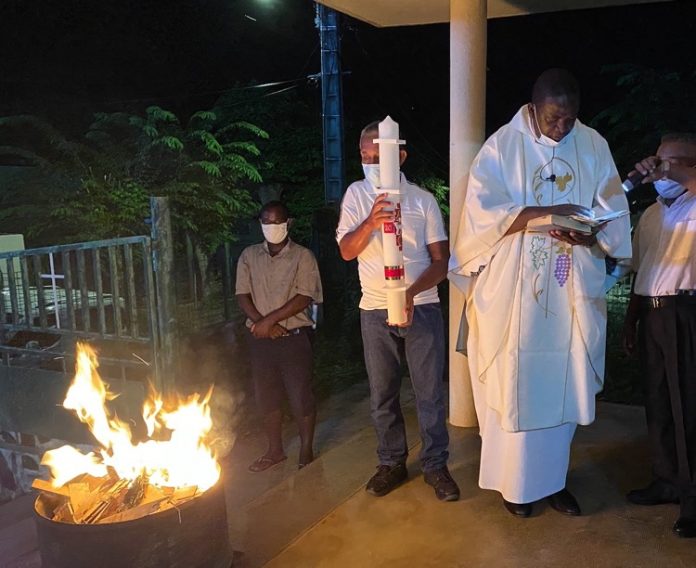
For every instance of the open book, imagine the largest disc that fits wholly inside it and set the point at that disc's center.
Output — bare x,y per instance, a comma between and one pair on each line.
579,223
596,221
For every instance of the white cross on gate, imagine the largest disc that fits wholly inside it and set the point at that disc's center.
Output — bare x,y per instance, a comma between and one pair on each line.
52,276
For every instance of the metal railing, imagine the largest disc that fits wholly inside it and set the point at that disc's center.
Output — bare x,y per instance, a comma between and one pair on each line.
99,291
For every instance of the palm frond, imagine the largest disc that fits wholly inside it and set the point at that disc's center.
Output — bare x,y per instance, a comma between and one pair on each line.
171,142
158,114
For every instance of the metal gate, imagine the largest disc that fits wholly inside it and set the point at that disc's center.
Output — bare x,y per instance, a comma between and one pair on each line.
102,292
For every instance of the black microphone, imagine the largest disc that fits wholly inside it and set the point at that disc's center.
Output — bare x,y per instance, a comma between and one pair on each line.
633,181
551,178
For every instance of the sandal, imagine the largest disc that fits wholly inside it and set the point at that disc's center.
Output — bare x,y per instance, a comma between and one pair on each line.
301,465
264,462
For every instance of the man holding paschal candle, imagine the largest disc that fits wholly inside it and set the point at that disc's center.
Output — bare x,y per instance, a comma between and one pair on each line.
399,239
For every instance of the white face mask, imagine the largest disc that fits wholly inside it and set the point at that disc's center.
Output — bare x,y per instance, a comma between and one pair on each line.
372,175
275,233
668,189
542,138
546,141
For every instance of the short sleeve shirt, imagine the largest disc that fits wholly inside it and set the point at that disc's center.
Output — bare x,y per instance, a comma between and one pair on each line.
273,280
664,248
421,225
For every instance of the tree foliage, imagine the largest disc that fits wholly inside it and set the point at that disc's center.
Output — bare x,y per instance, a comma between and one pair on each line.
204,165
655,101
292,164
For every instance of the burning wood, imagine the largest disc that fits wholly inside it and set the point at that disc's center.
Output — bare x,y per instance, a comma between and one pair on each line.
115,500
126,481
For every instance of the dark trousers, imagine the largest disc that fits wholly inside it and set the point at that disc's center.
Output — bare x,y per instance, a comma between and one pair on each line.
424,345
667,336
283,368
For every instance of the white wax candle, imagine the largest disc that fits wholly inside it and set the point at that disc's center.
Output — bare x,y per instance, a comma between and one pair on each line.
390,179
389,154
393,255
396,306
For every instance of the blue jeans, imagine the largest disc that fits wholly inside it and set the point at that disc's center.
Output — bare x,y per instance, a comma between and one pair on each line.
424,345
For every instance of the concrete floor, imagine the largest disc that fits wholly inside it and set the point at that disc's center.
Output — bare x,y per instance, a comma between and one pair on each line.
410,528
321,516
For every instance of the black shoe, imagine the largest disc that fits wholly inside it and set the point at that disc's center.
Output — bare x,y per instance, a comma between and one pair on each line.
565,503
446,488
386,479
657,493
518,509
685,527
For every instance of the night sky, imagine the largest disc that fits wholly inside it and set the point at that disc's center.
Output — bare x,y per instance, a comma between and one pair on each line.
65,59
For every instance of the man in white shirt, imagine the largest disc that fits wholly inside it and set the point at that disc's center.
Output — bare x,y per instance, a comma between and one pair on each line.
425,248
661,322
536,309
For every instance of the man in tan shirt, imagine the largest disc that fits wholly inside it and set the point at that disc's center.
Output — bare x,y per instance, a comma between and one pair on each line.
277,281
660,321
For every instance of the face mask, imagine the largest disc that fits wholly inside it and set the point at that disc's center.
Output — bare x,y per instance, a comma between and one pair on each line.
545,140
372,175
275,234
668,189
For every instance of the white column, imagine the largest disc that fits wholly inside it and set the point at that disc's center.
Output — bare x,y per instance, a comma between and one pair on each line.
468,20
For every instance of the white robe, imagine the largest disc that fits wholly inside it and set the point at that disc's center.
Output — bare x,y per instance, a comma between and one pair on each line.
536,310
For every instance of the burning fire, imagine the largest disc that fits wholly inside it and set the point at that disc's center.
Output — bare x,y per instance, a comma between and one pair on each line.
180,459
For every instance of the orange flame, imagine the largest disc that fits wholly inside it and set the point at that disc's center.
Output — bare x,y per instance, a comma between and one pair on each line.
183,460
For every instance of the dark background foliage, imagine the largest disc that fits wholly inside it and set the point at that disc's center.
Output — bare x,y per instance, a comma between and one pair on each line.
216,104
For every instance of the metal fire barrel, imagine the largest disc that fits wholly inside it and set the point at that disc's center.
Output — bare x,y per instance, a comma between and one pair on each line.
194,535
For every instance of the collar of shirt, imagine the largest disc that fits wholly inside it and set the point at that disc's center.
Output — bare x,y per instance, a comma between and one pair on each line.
678,200
281,252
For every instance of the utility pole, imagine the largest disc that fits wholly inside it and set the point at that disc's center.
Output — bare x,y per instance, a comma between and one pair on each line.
331,104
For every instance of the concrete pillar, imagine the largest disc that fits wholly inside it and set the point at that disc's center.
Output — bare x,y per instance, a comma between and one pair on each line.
468,20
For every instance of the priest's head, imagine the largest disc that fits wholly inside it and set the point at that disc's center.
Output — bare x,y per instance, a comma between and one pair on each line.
555,103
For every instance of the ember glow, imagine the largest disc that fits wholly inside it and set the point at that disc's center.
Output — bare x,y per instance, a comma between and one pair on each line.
175,456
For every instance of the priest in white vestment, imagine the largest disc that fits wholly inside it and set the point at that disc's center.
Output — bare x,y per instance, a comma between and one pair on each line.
536,306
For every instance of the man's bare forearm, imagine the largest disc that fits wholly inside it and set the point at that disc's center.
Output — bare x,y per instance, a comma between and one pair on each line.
436,272
633,309
293,306
247,305
529,213
524,217
353,243
431,276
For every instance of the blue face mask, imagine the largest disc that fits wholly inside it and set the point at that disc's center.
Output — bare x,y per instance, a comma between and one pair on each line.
668,189
372,175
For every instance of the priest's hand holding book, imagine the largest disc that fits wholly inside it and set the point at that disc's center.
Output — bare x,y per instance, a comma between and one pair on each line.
573,224
576,238
533,215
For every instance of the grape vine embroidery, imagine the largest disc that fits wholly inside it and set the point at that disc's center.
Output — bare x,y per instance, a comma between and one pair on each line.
563,263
